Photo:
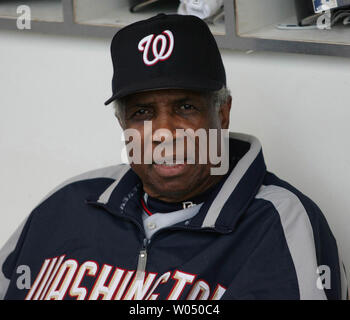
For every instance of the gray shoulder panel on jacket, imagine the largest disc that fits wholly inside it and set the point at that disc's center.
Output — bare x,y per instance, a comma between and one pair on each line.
112,172
299,237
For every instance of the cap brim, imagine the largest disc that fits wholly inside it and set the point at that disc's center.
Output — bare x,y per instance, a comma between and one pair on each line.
166,83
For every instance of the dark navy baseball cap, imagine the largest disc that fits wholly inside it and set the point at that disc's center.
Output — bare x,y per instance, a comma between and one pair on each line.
165,52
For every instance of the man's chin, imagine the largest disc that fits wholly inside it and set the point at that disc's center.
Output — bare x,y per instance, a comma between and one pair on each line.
169,189
170,195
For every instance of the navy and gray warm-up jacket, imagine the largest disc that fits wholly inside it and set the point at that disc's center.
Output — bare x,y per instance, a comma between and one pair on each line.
256,237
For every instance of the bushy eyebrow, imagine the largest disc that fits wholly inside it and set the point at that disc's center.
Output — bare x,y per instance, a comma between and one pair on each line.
182,100
141,105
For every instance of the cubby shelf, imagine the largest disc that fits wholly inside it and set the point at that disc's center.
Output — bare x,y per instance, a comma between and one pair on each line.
41,10
111,13
247,25
275,12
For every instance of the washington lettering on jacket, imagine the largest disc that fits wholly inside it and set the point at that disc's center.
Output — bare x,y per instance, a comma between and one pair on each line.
255,237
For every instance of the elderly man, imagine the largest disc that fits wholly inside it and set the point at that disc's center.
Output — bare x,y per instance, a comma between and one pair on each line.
174,224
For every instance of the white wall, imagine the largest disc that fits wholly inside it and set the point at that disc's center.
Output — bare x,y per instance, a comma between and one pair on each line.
53,123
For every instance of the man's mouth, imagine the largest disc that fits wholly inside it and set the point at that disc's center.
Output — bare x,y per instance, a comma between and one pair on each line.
169,169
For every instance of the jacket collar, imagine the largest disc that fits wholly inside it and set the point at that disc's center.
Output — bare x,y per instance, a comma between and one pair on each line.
224,207
240,187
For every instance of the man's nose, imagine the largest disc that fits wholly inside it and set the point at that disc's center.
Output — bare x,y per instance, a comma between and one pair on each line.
164,127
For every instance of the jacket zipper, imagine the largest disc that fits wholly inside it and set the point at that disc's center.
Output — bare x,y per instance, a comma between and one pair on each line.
142,256
142,261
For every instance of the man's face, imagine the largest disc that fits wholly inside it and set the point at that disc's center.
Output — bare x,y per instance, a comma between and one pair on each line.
173,109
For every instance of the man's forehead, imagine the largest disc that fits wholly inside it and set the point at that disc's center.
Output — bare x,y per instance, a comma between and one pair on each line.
154,96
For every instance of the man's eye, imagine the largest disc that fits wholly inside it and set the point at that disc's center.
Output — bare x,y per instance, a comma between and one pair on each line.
187,107
141,112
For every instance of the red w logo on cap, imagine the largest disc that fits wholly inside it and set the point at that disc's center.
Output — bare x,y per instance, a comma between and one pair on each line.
167,41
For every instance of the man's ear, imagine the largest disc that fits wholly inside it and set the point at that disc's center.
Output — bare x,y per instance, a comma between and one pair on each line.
118,115
224,113
121,122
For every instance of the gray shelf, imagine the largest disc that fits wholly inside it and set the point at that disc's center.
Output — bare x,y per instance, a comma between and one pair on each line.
41,10
111,13
259,32
248,24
